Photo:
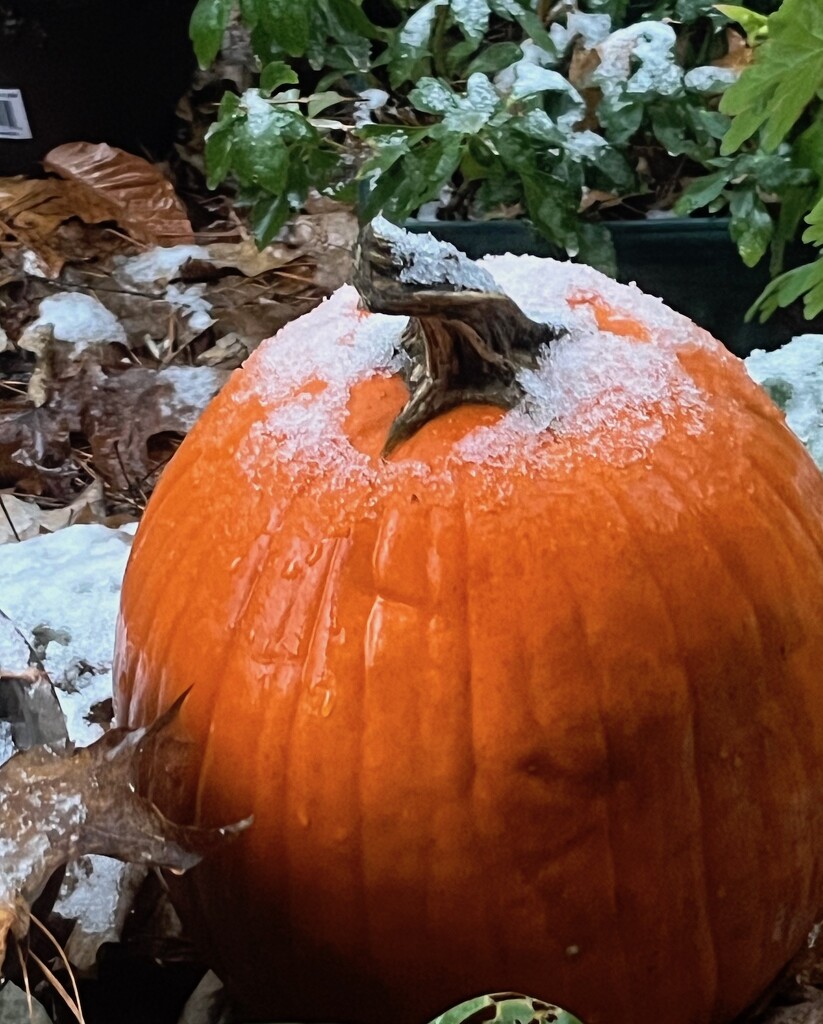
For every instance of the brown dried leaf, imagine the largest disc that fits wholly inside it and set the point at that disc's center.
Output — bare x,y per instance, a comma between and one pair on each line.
22,519
325,235
40,206
598,198
137,195
739,54
62,804
32,210
122,413
583,63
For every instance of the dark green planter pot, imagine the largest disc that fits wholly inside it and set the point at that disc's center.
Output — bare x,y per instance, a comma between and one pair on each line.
690,263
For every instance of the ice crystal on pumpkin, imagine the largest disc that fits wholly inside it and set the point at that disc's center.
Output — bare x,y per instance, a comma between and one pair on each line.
615,393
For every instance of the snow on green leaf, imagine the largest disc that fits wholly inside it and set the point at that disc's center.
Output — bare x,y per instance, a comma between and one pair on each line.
461,114
472,16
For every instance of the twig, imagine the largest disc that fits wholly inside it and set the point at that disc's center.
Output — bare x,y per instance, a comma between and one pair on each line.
62,954
9,519
58,987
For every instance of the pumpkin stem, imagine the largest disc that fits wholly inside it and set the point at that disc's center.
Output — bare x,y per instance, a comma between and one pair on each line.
465,339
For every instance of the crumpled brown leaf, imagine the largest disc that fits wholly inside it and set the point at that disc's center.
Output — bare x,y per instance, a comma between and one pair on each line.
20,519
33,209
127,414
60,804
739,54
135,192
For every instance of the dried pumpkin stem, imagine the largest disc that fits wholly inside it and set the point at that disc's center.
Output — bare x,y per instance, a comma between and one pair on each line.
465,340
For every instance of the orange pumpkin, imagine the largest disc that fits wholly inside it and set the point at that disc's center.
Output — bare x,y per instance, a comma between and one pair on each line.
532,703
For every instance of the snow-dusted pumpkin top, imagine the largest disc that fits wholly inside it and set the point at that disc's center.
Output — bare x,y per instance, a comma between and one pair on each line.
627,371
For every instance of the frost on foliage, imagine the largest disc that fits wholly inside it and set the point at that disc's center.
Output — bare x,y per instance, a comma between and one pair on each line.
649,44
416,32
590,28
472,16
709,78
533,56
529,77
467,113
793,377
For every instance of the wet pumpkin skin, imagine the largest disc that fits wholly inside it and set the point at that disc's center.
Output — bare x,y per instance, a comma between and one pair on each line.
568,742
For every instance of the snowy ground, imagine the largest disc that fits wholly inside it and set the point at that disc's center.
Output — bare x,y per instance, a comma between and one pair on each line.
59,593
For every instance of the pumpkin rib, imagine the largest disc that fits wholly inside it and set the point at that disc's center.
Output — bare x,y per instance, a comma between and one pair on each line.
789,499
637,530
705,917
335,562
465,632
578,604
763,853
234,630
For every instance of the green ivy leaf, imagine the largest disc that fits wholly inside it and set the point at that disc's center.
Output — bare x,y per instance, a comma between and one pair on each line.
415,177
701,192
411,46
432,96
597,249
787,72
465,113
751,226
495,57
268,214
208,23
286,23
804,281
753,23
219,140
472,16
275,74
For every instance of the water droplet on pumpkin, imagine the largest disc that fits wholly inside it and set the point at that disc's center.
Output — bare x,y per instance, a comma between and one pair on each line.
328,703
314,555
292,569
303,817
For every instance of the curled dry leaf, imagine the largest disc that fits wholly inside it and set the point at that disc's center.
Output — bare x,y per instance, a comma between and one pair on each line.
739,54
21,519
59,804
135,192
128,415
33,209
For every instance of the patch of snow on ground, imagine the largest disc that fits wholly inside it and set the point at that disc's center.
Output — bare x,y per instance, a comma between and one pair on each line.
69,583
79,319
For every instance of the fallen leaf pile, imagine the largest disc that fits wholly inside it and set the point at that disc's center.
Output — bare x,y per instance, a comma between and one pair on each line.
61,803
119,322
